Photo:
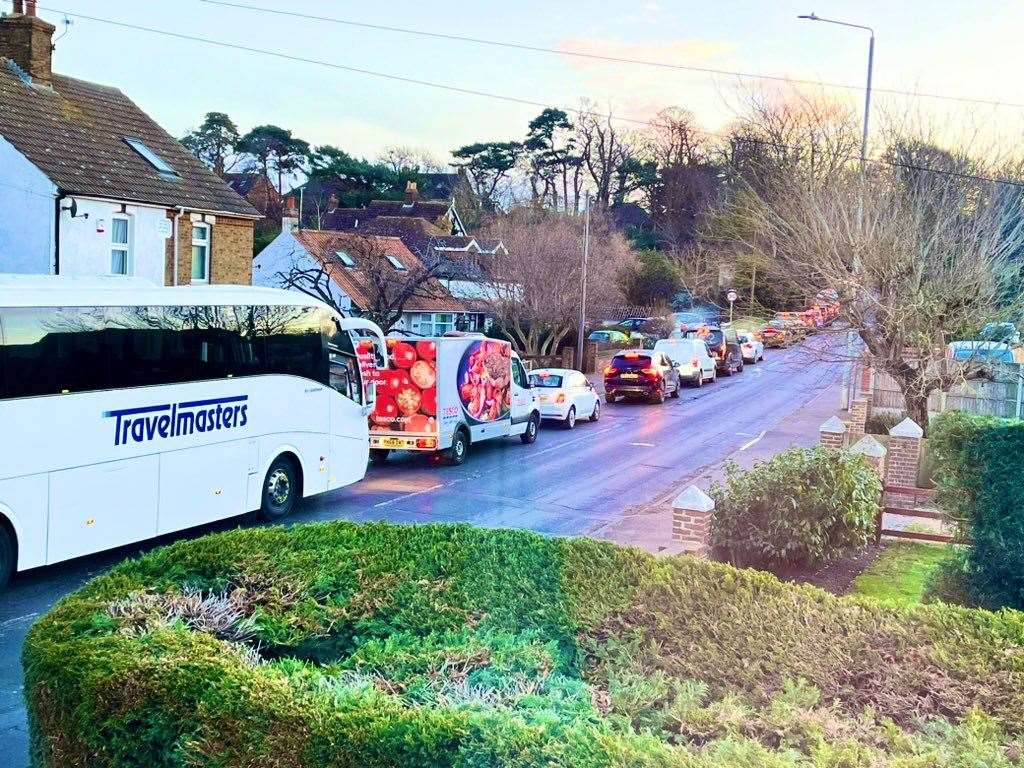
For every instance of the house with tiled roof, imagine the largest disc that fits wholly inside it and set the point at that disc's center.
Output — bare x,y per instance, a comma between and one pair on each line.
91,185
350,268
258,190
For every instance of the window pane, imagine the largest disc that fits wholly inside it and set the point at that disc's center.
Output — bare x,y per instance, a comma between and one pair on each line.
199,262
119,231
54,350
118,262
199,233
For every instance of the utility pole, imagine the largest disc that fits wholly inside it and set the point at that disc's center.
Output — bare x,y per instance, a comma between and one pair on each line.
581,336
851,334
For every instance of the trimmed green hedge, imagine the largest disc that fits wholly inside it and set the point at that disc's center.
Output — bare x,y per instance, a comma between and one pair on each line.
346,645
801,507
979,471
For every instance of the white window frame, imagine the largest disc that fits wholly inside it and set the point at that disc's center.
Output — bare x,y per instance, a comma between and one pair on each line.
398,265
206,244
126,247
346,261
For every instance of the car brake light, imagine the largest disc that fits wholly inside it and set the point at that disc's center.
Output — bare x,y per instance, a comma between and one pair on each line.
609,370
631,355
560,398
426,442
652,372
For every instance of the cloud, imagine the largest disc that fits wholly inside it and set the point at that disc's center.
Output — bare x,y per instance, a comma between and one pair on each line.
641,91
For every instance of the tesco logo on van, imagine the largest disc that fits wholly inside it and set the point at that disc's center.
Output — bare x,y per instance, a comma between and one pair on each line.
142,425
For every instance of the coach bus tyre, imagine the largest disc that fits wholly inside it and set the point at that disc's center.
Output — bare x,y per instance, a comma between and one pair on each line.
532,426
379,455
281,490
7,551
456,455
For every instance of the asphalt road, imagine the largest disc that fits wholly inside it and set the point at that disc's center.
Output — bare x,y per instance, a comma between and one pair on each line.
576,482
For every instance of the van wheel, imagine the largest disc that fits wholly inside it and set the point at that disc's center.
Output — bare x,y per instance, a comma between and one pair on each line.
570,418
379,455
7,555
456,455
281,490
530,435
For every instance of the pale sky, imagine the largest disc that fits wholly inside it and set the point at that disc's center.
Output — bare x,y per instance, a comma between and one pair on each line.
953,47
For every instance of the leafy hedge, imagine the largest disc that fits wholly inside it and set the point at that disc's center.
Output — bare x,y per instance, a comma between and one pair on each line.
346,645
980,475
799,508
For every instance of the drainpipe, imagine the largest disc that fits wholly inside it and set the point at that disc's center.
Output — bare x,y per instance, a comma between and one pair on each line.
181,212
56,233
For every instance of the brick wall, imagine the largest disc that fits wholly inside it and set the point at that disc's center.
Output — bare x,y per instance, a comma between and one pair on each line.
230,259
691,520
858,419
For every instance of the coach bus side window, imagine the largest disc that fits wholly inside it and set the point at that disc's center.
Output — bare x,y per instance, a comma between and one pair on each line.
50,351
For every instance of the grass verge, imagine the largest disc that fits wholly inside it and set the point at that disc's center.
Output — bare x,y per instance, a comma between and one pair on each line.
900,573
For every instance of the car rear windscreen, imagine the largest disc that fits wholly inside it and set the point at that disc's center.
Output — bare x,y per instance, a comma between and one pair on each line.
546,382
623,363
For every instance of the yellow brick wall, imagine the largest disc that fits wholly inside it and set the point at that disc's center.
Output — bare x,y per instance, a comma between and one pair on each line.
231,259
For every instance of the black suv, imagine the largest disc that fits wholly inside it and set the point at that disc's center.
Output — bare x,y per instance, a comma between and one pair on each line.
641,373
723,345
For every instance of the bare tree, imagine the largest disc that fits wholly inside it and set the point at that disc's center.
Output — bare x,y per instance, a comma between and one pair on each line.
406,159
383,290
534,291
604,149
916,264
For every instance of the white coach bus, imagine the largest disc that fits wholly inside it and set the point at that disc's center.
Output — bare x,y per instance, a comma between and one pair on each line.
129,411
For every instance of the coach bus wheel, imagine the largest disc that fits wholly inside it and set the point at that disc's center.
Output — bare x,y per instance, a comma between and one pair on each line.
281,489
7,553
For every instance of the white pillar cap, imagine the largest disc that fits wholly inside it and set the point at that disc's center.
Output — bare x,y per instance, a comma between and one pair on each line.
834,426
695,500
868,446
907,428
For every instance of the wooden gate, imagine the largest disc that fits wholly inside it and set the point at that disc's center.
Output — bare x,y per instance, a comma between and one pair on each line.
910,503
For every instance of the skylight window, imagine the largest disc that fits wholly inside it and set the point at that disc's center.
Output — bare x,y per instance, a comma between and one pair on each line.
151,157
396,263
345,259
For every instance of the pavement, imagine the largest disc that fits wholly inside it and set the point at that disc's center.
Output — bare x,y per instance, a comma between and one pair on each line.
612,479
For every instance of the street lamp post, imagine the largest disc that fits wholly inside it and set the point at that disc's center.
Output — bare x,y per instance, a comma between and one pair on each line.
583,287
850,335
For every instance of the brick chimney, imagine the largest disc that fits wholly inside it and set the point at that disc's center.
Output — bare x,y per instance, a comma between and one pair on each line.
412,192
290,216
28,41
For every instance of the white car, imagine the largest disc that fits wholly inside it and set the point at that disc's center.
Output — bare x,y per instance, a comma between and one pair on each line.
751,346
565,396
691,358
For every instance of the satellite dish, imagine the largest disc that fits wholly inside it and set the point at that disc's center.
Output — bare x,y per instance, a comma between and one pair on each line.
73,208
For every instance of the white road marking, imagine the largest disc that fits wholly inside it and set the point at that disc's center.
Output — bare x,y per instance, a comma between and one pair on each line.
754,441
408,495
587,436
644,445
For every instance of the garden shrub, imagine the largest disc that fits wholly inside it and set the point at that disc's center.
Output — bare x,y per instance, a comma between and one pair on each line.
979,471
799,508
880,422
378,646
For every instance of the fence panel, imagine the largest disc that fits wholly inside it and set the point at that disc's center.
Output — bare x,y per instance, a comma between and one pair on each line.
993,398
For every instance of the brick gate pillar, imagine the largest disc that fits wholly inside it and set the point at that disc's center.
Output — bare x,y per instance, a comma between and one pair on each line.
904,454
858,419
691,520
833,433
873,451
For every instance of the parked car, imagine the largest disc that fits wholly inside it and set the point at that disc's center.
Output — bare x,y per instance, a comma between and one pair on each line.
751,347
565,396
723,345
641,373
608,337
794,324
692,359
776,335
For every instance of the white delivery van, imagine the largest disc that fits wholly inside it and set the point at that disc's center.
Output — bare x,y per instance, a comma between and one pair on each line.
691,358
446,393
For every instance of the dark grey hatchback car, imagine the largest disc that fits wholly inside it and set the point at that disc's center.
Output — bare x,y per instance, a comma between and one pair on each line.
641,373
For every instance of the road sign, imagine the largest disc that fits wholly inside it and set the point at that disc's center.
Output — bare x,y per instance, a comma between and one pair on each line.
732,295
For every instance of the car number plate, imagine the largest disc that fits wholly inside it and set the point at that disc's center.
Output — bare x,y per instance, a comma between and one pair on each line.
630,376
391,442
